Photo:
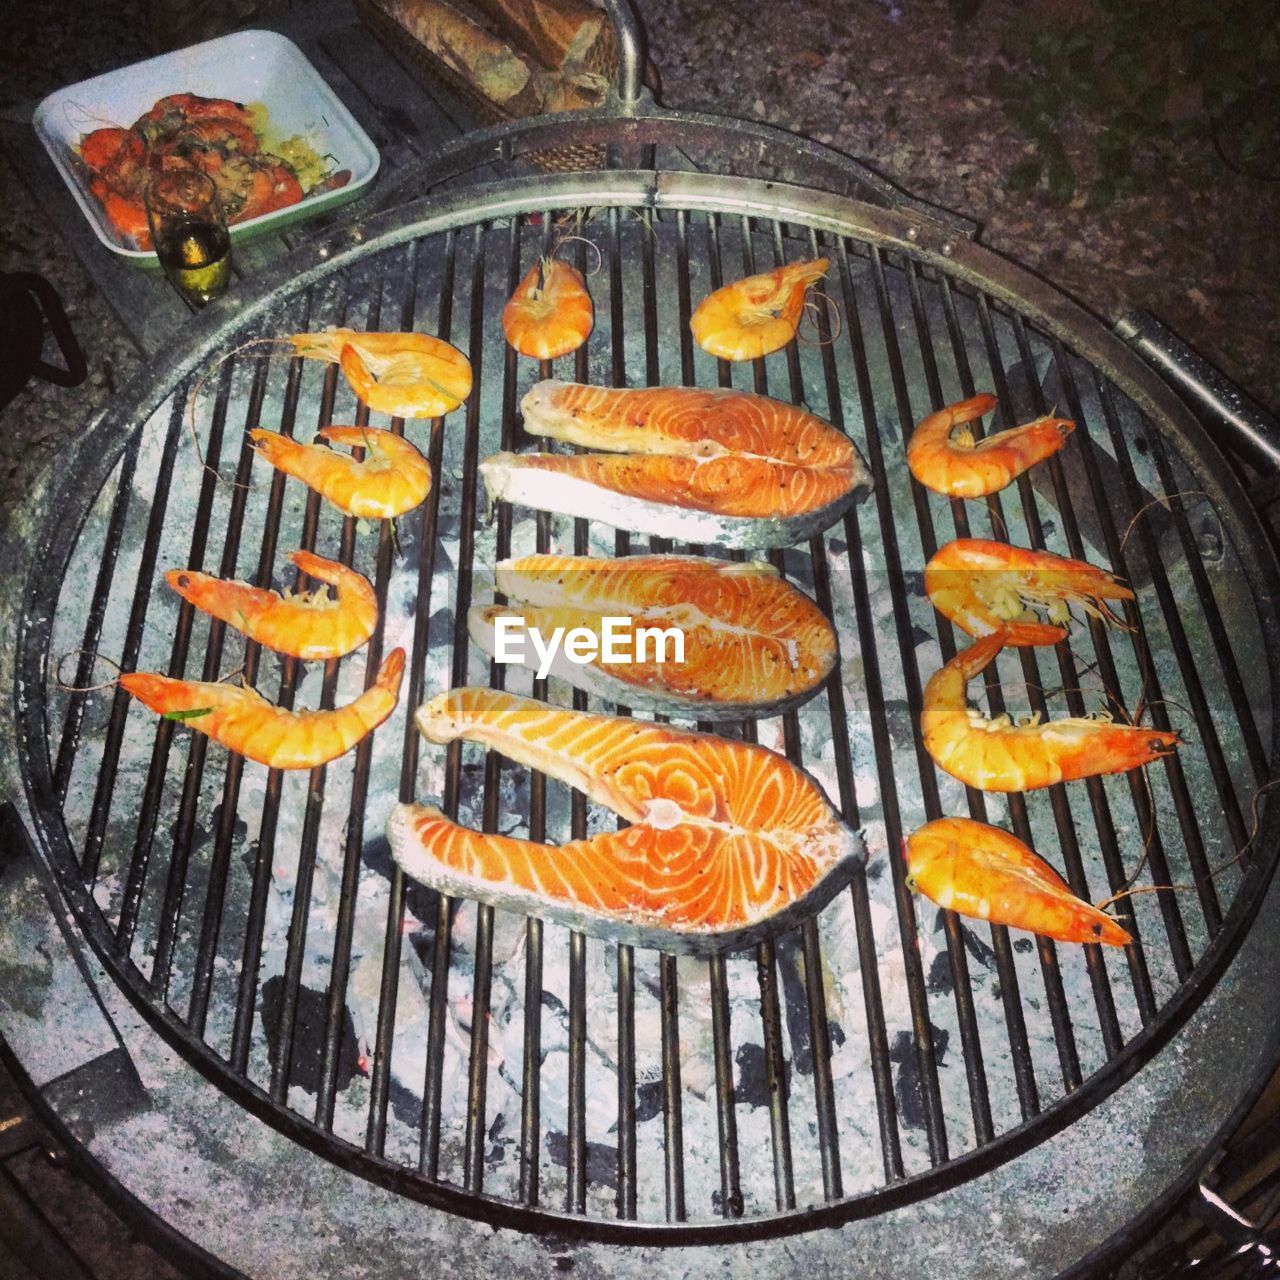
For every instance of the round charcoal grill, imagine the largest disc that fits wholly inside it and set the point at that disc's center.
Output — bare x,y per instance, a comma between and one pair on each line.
509,1070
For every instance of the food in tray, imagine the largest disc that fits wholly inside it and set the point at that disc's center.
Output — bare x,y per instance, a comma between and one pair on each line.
752,643
756,315
984,872
392,478
998,755
944,456
229,141
242,720
303,624
722,467
550,313
406,375
985,587
727,841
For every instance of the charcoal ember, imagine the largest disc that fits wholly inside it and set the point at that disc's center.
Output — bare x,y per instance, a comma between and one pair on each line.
795,1002
648,1100
753,1076
602,1161
939,982
308,1036
906,1080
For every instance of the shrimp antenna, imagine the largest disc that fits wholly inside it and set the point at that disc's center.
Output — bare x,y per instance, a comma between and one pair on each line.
1163,501
561,241
832,308
199,386
1255,820
68,687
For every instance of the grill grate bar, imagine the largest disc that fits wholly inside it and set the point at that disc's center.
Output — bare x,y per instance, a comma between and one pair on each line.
576,1190
886,782
304,882
1055,995
1153,848
731,1203
877,1041
731,1200
576,1193
962,986
336,996
815,996
431,1095
627,1197
247,992
1006,970
1206,728
478,1055
105,789
153,792
176,881
393,937
76,703
922,1030
766,955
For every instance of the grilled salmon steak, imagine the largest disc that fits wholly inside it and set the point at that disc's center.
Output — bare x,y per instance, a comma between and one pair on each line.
728,842
723,467
752,644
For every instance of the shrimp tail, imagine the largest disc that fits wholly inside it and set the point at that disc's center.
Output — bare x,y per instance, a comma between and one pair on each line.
357,373
390,672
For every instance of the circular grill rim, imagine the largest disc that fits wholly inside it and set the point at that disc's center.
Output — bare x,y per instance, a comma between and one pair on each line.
85,471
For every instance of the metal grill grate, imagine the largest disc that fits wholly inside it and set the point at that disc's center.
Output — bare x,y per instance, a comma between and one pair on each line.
512,1070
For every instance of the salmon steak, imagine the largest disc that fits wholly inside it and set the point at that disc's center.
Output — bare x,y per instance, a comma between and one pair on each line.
723,467
728,842
749,643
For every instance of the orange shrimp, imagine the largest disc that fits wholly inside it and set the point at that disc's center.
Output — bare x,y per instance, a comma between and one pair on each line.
242,720
960,467
752,317
997,755
550,313
985,587
981,871
393,478
306,625
408,375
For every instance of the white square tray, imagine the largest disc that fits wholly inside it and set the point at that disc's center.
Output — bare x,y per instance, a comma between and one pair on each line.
246,66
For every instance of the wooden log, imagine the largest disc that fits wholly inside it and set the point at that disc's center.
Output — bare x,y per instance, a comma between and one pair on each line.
569,36
484,60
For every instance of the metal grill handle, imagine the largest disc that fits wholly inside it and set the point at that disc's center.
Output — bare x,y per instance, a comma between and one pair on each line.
1253,431
630,49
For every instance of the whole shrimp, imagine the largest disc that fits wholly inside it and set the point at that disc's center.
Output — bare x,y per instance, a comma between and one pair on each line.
393,478
550,312
997,755
984,872
960,467
308,625
985,587
756,315
407,375
242,720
